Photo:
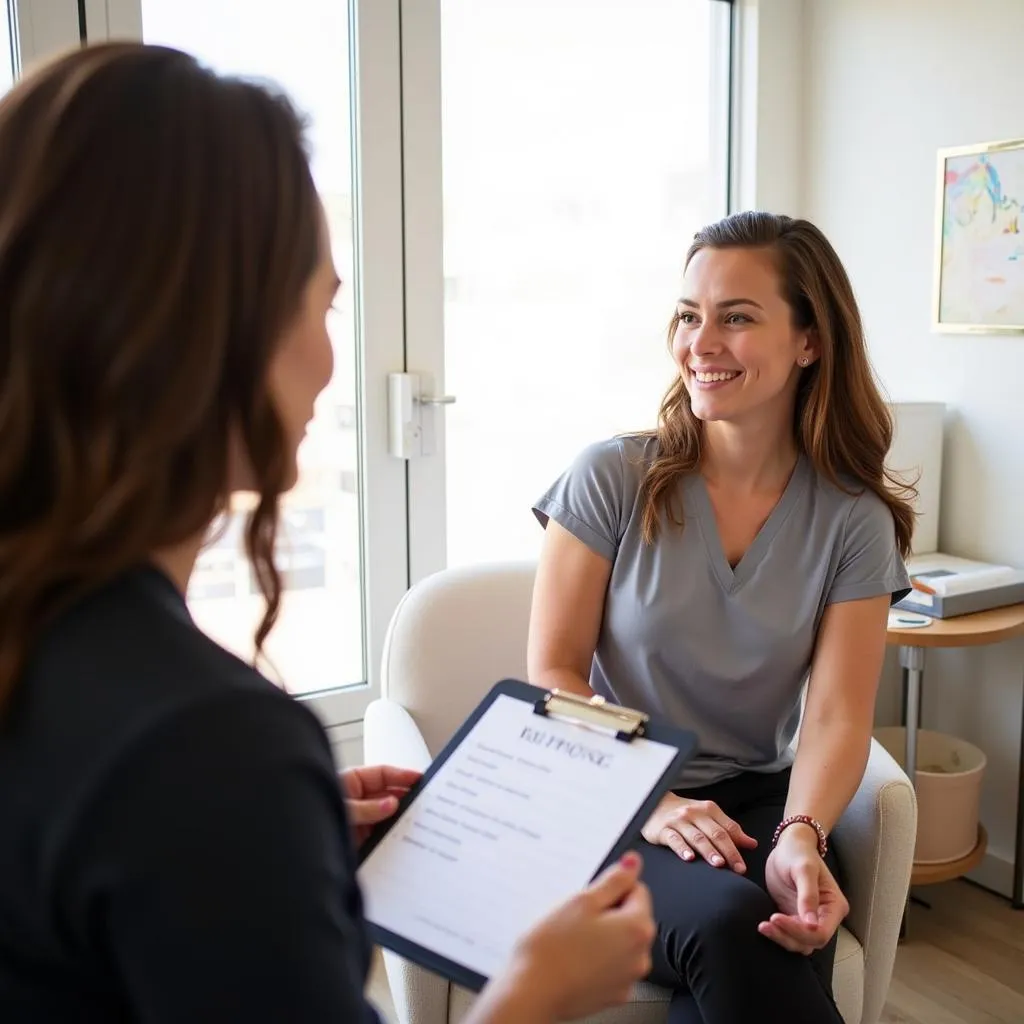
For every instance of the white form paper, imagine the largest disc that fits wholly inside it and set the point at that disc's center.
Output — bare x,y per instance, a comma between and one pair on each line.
519,818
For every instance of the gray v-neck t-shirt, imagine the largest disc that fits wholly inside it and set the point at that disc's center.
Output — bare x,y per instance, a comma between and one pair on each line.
722,651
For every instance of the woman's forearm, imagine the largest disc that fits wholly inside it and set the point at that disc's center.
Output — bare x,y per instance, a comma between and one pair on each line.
829,766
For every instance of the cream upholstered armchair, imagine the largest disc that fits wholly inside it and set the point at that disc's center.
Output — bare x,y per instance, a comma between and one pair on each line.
458,632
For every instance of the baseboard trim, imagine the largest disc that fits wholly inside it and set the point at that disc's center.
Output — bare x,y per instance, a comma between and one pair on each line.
994,873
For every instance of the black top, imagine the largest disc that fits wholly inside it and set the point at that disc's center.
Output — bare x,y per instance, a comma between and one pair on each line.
173,841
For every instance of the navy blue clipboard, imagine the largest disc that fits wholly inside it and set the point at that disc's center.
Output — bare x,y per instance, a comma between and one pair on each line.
627,725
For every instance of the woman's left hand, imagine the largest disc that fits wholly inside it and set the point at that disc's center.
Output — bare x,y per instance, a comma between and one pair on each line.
372,795
811,904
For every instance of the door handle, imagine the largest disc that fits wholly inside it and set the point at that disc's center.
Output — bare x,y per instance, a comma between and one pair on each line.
411,432
429,400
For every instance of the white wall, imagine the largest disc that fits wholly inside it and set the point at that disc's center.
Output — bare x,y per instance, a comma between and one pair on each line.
885,84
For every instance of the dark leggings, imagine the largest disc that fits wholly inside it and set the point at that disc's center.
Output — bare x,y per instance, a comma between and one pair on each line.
708,949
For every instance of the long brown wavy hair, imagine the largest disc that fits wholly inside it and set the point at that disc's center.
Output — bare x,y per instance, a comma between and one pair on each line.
840,419
158,224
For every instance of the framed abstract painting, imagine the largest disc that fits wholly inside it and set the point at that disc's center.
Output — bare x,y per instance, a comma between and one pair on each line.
979,257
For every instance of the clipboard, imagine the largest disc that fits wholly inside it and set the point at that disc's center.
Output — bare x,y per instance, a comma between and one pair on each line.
595,717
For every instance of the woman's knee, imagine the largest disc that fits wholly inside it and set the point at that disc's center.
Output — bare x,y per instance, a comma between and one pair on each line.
731,919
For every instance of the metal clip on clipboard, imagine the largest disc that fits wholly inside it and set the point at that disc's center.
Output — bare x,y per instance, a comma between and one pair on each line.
625,723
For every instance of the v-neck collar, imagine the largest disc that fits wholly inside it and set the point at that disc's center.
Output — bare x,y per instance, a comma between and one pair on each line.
730,578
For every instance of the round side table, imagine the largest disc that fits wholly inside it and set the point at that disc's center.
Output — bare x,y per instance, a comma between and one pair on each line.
975,630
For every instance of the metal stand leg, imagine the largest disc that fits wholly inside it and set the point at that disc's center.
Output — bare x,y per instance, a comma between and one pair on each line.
1017,892
903,696
912,663
903,706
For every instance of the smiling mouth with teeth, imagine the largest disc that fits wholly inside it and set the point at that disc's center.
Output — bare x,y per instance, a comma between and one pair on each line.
712,378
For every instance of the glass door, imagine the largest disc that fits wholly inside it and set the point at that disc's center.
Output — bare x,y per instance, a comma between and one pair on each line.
343,540
573,147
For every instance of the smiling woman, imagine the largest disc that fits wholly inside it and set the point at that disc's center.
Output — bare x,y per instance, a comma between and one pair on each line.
765,299
737,354
770,449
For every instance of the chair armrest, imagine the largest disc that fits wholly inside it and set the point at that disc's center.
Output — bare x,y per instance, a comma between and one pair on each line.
390,736
420,997
875,841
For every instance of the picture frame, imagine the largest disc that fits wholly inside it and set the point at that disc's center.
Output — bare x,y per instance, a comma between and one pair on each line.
979,239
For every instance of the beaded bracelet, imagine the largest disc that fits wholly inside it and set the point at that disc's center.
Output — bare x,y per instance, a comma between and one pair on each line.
803,819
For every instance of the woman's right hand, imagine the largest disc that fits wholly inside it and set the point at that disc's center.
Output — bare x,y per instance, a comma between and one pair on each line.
583,957
698,827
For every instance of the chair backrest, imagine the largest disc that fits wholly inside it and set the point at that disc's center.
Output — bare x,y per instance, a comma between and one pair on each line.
451,638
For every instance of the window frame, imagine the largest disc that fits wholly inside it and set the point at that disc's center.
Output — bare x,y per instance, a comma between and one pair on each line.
42,28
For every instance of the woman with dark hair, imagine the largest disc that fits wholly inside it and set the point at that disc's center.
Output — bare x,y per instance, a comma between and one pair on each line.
174,842
702,571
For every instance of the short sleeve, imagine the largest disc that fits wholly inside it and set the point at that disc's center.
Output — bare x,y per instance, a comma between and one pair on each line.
587,499
213,868
869,563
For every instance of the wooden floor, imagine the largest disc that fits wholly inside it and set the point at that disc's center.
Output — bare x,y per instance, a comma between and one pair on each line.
962,962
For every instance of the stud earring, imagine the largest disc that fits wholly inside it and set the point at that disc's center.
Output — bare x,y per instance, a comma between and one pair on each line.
804,361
